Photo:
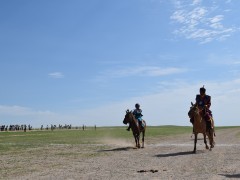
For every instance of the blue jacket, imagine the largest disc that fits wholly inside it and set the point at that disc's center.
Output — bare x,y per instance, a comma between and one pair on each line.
138,114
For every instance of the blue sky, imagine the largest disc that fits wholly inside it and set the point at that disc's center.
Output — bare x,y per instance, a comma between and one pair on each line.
86,62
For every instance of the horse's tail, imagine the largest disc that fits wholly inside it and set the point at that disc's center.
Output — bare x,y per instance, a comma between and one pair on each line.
211,136
213,125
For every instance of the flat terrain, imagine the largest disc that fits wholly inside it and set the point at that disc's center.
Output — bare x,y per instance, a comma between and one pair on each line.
110,154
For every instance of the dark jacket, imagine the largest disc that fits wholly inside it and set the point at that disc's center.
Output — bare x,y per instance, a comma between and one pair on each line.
202,101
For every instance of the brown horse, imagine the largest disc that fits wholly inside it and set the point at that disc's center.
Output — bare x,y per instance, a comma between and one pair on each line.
199,126
136,129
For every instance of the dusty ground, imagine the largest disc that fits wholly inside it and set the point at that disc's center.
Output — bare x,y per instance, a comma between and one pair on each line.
171,157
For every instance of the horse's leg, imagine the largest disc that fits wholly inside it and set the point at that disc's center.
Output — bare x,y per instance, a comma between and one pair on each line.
136,140
135,137
138,137
192,132
210,137
205,141
195,142
143,134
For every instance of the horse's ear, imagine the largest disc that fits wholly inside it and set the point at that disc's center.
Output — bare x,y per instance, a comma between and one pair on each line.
192,103
127,110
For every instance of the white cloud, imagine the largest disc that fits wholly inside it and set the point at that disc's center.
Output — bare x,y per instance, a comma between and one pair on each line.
170,106
24,115
177,3
166,107
21,111
216,19
56,75
143,71
226,59
199,23
196,2
215,22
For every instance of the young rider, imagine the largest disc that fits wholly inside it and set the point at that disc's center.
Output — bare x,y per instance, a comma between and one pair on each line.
204,101
138,115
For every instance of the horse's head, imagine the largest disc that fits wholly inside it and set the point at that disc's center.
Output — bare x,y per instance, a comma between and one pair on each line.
193,110
128,117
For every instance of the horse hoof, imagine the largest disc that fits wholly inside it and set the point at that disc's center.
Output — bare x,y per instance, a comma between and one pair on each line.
207,147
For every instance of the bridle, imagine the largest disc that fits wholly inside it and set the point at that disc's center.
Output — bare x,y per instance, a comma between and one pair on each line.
196,109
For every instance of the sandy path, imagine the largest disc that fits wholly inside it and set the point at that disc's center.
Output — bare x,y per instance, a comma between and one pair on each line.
172,158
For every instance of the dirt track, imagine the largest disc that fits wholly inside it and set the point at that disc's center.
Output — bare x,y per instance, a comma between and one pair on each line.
172,158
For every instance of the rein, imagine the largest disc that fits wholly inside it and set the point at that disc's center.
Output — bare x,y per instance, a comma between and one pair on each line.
197,112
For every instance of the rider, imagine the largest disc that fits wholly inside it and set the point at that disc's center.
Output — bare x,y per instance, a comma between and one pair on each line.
138,115
204,101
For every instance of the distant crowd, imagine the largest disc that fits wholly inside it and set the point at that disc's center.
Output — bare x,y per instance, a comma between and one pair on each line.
25,127
22,127
52,127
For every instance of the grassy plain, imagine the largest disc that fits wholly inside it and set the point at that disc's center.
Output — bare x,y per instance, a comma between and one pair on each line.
19,140
37,151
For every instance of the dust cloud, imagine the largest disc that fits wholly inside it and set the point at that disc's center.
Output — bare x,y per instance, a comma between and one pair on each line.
117,142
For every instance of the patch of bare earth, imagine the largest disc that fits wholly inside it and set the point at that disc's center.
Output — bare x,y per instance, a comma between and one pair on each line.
164,158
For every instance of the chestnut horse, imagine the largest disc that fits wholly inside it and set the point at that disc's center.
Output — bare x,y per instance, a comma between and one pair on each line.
136,129
199,126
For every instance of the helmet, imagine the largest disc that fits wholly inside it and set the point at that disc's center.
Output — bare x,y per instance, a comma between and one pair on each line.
137,105
202,89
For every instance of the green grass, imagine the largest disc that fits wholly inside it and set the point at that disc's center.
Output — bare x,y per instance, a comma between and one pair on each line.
157,131
21,150
16,141
226,127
